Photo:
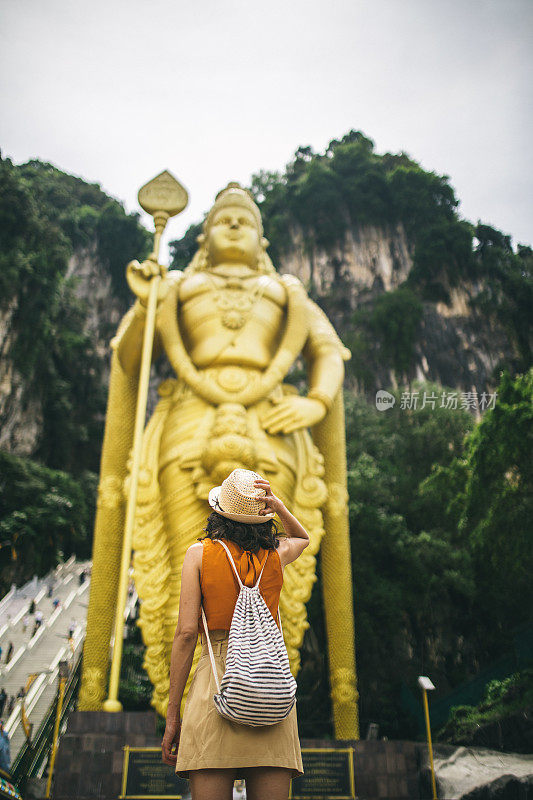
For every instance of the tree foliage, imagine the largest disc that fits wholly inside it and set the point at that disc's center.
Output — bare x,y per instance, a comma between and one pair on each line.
45,215
507,293
350,185
326,195
502,715
439,505
44,514
498,509
182,250
393,321
440,510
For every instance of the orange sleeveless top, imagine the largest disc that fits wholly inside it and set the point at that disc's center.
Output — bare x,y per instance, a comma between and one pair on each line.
219,585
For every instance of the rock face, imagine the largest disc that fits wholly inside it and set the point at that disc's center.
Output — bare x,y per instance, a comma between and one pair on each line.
505,788
103,309
370,258
459,348
456,346
477,773
20,415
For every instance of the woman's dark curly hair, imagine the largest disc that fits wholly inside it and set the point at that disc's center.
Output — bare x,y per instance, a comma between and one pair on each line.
249,536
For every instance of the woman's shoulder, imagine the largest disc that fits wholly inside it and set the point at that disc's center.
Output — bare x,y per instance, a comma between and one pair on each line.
214,546
196,550
207,542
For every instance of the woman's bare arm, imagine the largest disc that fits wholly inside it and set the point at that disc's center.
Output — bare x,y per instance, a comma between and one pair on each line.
185,639
289,549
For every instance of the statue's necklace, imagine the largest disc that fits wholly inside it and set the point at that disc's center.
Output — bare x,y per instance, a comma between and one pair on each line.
234,300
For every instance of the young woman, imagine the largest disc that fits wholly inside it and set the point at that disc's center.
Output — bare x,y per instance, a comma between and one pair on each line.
208,749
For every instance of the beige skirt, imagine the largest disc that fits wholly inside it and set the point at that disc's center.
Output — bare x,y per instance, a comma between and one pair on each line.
209,741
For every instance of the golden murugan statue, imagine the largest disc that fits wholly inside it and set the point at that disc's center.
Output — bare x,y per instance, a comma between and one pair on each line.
231,328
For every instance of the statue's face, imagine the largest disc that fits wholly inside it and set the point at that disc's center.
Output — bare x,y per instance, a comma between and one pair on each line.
233,237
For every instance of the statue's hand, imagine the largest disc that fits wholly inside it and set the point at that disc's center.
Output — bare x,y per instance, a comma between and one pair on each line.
140,275
292,413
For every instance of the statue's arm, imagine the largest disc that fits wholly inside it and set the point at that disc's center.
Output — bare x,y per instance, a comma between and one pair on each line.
129,340
325,355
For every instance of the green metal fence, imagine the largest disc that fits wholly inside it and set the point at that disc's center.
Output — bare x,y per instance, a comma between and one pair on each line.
34,753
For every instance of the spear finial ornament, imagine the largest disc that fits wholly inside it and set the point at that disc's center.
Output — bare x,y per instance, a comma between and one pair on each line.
162,197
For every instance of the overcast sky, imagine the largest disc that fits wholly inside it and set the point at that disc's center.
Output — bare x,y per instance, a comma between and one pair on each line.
116,91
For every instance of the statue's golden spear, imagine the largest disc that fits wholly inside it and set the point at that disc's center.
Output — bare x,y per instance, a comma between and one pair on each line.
163,197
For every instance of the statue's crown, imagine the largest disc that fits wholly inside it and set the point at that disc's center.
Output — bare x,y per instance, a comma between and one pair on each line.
234,195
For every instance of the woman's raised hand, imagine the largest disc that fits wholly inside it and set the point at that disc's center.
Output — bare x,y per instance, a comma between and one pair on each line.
273,505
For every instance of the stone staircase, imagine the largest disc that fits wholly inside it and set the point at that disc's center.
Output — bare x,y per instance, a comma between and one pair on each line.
40,654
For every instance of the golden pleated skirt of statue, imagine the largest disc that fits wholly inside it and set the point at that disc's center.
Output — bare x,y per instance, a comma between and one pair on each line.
209,741
184,437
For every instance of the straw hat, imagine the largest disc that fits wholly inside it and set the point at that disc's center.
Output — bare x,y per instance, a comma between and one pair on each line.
238,499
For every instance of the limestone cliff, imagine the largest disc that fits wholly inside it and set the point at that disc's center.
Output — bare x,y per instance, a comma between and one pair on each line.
64,246
63,287
21,411
369,258
20,415
94,287
456,344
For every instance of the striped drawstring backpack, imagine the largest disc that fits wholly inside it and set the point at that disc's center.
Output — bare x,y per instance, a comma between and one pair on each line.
257,687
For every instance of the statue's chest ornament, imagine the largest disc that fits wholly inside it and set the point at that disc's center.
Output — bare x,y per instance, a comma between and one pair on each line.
295,333
236,301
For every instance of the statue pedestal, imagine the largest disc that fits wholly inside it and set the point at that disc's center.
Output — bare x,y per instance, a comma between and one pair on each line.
375,770
90,756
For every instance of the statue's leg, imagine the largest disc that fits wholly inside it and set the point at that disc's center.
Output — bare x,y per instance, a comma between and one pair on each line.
185,517
296,479
337,575
184,514
108,538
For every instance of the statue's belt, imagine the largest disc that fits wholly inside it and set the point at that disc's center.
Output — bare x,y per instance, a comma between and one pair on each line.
231,378
227,431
